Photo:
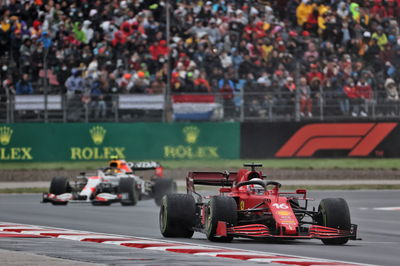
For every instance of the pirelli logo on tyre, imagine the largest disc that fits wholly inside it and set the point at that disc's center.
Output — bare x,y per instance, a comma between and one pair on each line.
359,138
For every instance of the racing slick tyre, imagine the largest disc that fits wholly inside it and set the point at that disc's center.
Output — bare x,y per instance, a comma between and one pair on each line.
128,186
334,212
59,185
222,209
161,187
177,215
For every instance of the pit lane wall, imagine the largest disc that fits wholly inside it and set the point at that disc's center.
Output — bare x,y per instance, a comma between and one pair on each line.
329,140
132,141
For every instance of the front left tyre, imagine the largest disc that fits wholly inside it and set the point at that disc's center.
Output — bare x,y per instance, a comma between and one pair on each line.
220,209
59,185
334,213
131,194
177,215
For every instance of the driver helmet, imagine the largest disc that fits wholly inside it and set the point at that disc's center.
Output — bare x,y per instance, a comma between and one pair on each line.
256,189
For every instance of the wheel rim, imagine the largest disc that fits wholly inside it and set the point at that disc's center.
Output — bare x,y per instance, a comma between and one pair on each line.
209,219
163,218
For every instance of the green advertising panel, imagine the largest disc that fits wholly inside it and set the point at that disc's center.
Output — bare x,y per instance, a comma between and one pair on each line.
134,141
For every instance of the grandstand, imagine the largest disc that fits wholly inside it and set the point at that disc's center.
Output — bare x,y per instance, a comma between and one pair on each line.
220,60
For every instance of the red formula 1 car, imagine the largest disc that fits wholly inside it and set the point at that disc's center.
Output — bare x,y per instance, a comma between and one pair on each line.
249,206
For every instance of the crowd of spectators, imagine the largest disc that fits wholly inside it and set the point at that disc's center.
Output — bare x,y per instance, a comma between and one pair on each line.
278,52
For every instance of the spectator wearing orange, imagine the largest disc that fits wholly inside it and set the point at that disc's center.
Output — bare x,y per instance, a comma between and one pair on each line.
202,84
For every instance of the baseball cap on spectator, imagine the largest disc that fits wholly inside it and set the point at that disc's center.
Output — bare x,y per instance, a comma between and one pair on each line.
305,33
92,12
127,76
208,3
141,74
367,34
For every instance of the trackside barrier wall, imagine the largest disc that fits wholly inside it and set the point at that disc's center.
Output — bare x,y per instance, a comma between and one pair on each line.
193,141
333,140
133,141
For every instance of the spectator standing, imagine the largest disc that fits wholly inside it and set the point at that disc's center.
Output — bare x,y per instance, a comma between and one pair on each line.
288,93
353,98
74,84
392,97
226,87
305,98
24,86
364,91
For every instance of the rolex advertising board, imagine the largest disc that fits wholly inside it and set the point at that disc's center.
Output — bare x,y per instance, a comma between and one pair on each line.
135,141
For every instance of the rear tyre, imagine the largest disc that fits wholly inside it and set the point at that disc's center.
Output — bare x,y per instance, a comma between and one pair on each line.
334,213
162,187
128,186
222,209
177,215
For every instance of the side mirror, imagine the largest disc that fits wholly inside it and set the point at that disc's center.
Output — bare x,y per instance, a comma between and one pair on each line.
301,191
225,190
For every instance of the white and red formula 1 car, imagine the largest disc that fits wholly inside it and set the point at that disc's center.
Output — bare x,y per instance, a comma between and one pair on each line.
114,183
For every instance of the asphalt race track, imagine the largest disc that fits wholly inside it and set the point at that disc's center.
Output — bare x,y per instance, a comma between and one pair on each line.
378,226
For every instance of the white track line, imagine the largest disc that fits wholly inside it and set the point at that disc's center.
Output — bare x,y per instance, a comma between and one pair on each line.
173,246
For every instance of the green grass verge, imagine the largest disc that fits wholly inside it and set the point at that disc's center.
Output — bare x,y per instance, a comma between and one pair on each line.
286,188
221,164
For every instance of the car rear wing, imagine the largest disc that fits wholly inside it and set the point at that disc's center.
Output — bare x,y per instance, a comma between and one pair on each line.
150,165
147,165
210,179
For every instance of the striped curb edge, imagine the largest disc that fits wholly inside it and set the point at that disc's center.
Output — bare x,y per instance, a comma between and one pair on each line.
32,231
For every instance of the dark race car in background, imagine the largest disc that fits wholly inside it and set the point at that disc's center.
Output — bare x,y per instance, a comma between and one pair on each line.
249,206
114,183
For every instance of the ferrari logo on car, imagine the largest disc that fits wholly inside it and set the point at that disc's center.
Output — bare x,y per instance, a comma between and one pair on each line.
5,135
97,133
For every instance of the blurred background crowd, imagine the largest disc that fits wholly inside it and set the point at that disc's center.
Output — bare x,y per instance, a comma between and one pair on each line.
283,53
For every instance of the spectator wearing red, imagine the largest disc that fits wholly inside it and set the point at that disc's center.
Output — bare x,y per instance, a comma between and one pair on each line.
352,100
364,90
378,9
158,50
314,74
